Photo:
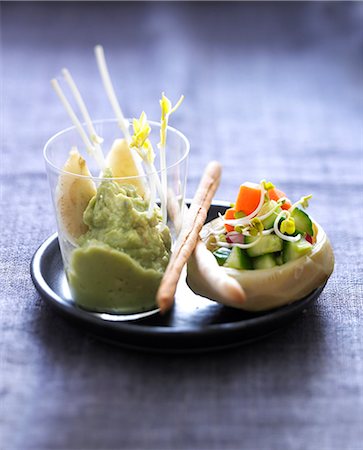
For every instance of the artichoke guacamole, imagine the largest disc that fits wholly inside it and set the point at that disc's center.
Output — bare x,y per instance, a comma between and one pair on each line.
121,259
114,240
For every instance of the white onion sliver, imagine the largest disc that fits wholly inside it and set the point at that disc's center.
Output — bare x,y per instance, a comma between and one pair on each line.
243,246
282,200
237,238
223,244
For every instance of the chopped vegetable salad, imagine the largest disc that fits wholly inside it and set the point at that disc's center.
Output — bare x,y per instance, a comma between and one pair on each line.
262,229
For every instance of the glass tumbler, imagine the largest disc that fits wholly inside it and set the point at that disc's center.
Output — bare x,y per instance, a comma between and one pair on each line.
114,249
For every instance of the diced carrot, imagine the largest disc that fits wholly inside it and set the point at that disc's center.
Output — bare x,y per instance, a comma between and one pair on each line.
248,198
276,194
229,215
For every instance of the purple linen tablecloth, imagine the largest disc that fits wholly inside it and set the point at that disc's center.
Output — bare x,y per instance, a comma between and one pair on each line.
272,90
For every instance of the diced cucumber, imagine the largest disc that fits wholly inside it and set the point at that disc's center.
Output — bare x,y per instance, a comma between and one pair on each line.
278,258
267,244
238,259
303,222
294,250
269,221
264,261
222,255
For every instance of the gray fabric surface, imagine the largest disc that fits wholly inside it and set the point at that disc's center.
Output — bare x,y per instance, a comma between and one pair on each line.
272,90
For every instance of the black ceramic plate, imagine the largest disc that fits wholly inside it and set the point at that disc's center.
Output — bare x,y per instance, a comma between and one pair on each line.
193,324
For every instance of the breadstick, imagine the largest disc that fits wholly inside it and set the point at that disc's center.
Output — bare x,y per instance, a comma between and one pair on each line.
213,282
188,237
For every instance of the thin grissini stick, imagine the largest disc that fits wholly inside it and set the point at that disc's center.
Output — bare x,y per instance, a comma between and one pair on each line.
107,83
213,283
189,235
95,139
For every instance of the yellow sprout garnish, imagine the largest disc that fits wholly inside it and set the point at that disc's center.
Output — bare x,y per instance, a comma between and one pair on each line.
141,130
256,227
288,226
140,139
267,185
96,139
166,110
305,201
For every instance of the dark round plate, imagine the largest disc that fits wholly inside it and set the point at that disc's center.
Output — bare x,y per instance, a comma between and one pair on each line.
194,323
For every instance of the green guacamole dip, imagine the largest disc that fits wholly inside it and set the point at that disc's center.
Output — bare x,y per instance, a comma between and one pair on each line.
122,257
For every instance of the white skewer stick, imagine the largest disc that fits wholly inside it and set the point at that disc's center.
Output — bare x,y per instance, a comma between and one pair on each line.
89,147
107,83
95,139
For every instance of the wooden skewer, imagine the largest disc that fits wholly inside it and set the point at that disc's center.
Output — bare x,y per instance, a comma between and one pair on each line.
189,235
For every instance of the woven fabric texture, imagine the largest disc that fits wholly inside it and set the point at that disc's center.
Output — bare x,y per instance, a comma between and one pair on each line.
273,90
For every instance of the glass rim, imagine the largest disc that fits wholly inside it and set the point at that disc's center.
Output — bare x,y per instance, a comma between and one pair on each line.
98,178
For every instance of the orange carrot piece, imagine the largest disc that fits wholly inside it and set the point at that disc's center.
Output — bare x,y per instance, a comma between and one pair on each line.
229,215
276,194
248,198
